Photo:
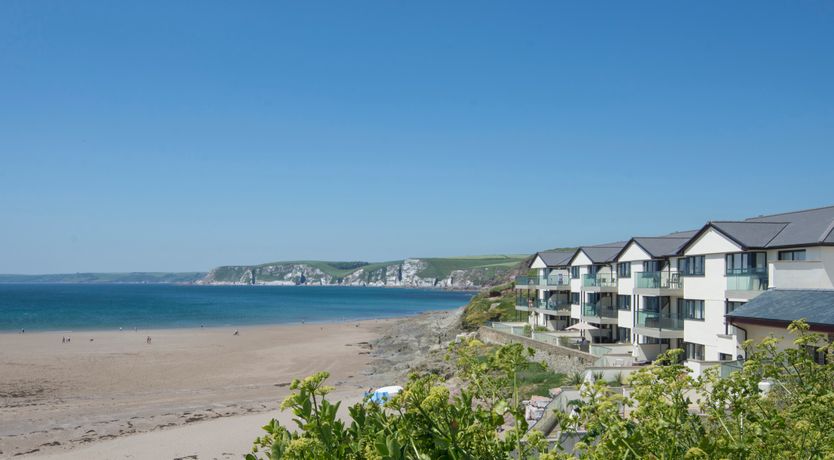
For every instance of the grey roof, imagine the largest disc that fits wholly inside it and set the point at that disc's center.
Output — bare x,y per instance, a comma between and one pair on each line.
786,305
751,234
556,258
681,234
799,228
602,253
810,226
661,246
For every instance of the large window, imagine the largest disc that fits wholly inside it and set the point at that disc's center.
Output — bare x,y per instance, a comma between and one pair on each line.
623,334
652,265
691,266
574,272
594,297
818,356
574,298
692,309
694,351
655,304
623,302
798,254
746,262
731,307
624,270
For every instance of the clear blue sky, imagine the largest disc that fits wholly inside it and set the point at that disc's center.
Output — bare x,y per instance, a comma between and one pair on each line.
183,135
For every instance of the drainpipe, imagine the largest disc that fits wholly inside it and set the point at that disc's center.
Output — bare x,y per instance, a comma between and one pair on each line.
745,338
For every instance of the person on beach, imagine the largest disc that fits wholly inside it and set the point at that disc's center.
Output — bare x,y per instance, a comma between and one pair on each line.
236,332
148,340
64,339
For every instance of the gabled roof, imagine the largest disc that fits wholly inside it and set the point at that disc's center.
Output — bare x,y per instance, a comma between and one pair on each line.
559,258
750,234
786,305
809,227
601,253
659,247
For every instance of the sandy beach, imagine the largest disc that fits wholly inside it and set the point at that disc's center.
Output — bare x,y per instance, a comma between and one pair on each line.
190,393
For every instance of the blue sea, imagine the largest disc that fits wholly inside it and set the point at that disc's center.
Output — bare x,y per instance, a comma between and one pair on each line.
72,307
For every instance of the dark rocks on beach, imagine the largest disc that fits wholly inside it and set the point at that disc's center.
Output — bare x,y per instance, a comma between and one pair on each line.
414,343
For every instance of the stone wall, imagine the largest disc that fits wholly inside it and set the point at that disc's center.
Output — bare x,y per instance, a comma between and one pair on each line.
559,359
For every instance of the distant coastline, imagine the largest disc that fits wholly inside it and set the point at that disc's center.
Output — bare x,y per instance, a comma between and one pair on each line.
105,278
446,273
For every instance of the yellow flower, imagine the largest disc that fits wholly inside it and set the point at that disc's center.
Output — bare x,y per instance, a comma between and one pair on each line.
438,396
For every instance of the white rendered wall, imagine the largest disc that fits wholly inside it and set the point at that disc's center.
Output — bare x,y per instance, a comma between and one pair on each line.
711,289
711,242
582,261
538,263
625,286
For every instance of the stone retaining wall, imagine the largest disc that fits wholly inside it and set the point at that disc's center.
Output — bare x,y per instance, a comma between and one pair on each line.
559,359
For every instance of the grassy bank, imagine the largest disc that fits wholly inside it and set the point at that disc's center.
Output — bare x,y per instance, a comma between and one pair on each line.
494,304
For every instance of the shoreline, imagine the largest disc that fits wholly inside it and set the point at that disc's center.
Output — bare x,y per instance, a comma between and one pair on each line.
398,316
94,399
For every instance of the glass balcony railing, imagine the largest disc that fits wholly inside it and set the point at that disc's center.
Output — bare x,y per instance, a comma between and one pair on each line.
558,304
528,280
558,280
659,280
526,302
657,320
539,303
553,281
599,280
747,280
602,311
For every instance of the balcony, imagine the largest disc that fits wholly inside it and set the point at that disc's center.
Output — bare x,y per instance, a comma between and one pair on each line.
558,282
557,307
746,283
601,282
662,283
529,282
600,314
525,303
554,282
659,325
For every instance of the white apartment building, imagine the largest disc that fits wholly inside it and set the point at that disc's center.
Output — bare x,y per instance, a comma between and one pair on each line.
594,288
704,291
728,266
548,293
649,293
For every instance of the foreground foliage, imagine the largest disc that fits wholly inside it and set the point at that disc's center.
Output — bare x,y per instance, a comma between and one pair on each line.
672,415
667,414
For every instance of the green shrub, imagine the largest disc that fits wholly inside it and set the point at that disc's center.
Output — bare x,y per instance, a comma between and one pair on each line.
656,421
424,421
